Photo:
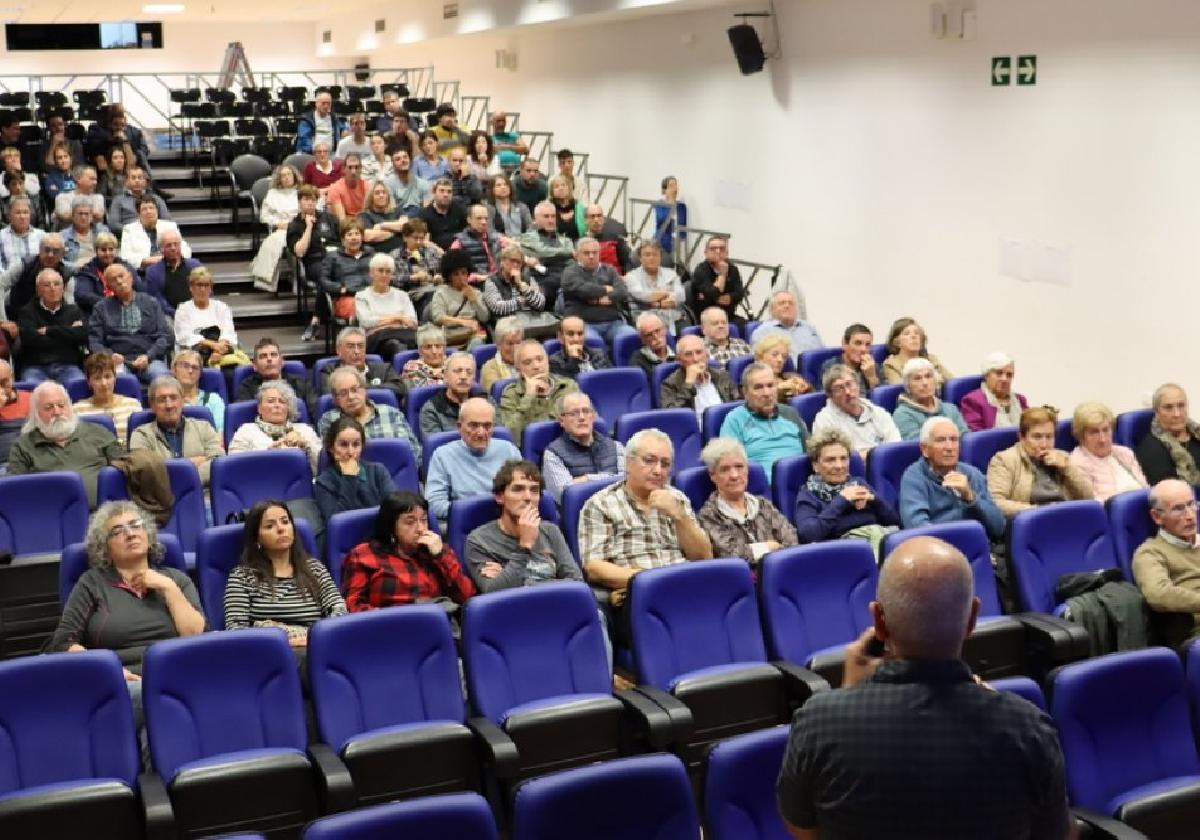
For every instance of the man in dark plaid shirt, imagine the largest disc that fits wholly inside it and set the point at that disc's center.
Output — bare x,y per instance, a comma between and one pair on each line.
912,745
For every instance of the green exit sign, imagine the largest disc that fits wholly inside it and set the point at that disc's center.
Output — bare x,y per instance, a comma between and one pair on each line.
1027,70
1001,70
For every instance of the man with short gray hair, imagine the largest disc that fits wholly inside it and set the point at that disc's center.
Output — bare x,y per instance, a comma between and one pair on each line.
866,424
440,412
20,239
351,348
695,384
86,182
53,333
905,683
549,252
766,429
173,434
1167,565
721,347
379,420
594,292
579,454
941,488
785,319
467,466
532,397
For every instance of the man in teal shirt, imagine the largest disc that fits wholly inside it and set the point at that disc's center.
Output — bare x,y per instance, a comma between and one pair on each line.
510,148
766,430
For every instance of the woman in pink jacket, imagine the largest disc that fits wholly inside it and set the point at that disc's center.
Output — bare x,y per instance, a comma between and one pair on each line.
1111,468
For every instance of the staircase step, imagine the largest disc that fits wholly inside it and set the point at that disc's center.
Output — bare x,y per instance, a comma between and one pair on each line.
258,304
214,246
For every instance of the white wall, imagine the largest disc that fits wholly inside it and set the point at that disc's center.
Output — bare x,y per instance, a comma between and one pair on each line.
886,171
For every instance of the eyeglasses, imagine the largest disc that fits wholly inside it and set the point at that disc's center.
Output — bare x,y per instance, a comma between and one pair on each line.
473,426
342,393
579,412
126,528
593,215
187,365
1180,509
649,461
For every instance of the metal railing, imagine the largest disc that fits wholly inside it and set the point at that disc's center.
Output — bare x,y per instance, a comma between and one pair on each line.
539,143
446,92
610,191
514,121
752,272
473,113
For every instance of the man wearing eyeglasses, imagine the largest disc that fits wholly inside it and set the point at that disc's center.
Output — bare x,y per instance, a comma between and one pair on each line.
1167,566
349,388
351,349
579,454
637,524
21,276
53,333
467,466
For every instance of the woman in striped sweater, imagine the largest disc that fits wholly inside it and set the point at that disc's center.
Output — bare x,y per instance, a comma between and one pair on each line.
278,584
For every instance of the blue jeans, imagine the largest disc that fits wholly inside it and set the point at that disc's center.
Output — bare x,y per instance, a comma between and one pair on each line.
609,330
59,372
150,372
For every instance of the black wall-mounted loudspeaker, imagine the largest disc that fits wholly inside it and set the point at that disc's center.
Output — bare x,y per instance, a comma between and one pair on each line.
747,49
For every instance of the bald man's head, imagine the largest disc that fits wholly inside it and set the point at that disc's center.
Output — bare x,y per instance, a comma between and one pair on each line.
925,605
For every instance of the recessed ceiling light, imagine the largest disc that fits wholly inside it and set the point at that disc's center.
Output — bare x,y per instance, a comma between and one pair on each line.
162,8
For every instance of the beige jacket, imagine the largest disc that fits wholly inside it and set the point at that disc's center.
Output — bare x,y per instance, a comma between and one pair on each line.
1010,481
893,365
199,439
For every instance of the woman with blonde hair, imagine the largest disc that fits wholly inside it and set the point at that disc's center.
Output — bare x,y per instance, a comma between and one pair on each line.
572,222
774,350
1110,468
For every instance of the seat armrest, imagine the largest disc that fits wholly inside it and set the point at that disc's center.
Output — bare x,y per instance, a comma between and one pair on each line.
680,714
157,812
660,730
1106,827
1057,640
502,755
334,782
801,683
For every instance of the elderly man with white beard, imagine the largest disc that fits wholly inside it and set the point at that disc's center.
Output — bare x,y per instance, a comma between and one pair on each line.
54,439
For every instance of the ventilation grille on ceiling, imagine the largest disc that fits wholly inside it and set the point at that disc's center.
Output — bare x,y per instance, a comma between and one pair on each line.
380,25
327,36
449,11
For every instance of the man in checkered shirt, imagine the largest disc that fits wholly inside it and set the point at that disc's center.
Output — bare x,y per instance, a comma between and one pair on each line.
913,745
637,524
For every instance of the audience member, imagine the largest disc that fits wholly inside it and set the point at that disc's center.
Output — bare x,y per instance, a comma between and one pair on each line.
465,186
186,367
113,130
173,434
124,208
53,333
655,349
669,211
354,143
409,192
594,292
518,548
717,282
654,288
533,395
919,691
20,239
772,350
440,412
907,341
115,171
417,266
59,175
392,108
920,401
512,292
766,428
1032,472
721,347
14,413
279,207
510,217
310,235
530,187
638,523
444,216
344,273
568,212
23,182
320,125
168,277
578,454
739,524
509,146
54,439
993,405
142,240
205,324
267,362
377,163
430,165
1111,469
941,488
575,356
866,424
566,168
508,334
277,426
785,319
450,136
55,136
347,196
856,355
466,467
90,288
349,482
611,234
834,504
21,278
101,373
322,172
481,157
548,252
1172,448
351,349
277,583
348,385
457,305
403,562
480,244
86,189
79,237
381,219
695,384
429,366
131,326
1167,565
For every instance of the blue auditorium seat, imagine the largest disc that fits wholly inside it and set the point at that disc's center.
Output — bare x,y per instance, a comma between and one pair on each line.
1023,687
715,415
100,420
695,483
212,380
388,700
238,481
625,344
808,405
483,354
958,387
886,464
69,752
679,424
188,517
1132,426
887,397
333,361
239,413
880,352
654,792
573,500
747,330
1064,436
403,358
127,385
74,563
657,374
469,513
344,531
144,416
792,473
498,388
415,400
1130,525
811,362
452,816
211,742
42,512
1053,540
739,787
977,448
616,391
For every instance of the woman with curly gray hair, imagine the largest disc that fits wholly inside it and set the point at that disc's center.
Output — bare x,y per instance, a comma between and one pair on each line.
125,602
275,426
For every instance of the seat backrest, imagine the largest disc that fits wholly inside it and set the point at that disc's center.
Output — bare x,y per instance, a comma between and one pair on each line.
469,513
531,643
1123,722
979,447
42,512
791,474
127,385
1054,540
1132,426
811,362
66,718
1130,525
344,531
1023,687
74,562
616,391
624,345
887,397
237,414
498,388
188,517
483,354
246,169
218,551
397,457
806,405
209,694
657,374
380,396
886,464
969,537
213,381
573,500
100,420
696,484
1064,436
679,424
415,400
381,668
403,358
654,792
330,361
815,596
691,616
452,816
715,415
298,161
238,481
739,786
958,387
262,186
